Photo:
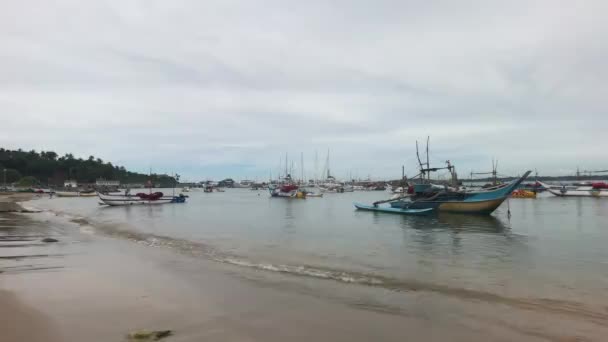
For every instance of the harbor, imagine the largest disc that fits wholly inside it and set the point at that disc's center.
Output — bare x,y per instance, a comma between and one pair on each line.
545,259
303,171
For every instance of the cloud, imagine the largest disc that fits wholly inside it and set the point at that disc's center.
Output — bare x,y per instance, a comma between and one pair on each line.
225,88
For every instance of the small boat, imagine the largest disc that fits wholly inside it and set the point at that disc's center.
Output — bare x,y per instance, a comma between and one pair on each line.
314,194
598,189
402,211
88,194
140,198
67,193
186,189
521,193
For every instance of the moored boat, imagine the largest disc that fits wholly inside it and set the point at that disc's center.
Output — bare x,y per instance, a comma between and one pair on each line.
140,198
452,199
598,189
521,193
402,211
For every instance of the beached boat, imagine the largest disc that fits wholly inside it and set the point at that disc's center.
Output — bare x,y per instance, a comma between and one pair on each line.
402,211
67,193
140,198
598,189
88,194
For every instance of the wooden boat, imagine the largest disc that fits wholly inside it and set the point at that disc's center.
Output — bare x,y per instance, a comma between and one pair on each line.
88,194
592,190
459,201
402,211
452,199
141,198
521,193
67,193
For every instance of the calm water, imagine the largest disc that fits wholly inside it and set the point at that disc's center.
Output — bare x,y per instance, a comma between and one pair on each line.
550,248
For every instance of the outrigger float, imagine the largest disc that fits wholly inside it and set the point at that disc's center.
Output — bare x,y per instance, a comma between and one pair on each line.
431,197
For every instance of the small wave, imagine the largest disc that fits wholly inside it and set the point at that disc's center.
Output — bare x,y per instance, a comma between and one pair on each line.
200,249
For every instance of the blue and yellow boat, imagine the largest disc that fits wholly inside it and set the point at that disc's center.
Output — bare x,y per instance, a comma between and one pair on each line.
459,201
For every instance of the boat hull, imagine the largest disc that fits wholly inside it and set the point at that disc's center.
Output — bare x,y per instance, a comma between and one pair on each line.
391,210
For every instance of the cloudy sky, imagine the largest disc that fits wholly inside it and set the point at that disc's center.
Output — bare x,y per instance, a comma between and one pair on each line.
225,88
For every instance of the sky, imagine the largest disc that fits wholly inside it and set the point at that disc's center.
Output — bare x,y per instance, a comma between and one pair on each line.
213,89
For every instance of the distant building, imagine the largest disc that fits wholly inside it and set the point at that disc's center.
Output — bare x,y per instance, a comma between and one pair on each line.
107,183
70,184
227,183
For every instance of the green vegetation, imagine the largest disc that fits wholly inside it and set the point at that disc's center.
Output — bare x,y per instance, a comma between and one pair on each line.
48,168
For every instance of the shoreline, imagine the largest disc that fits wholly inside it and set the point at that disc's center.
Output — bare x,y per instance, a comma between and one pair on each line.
96,287
11,202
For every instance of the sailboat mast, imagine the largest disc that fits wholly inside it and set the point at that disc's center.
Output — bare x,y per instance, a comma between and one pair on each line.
316,167
327,163
302,167
286,172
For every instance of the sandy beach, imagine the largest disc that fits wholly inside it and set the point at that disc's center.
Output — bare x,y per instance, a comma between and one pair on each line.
92,287
9,202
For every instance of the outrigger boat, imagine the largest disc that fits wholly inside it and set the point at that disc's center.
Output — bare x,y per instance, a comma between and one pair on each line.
599,189
391,210
140,198
449,199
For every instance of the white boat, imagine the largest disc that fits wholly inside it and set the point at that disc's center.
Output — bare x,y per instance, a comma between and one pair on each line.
67,193
122,200
186,189
314,194
580,191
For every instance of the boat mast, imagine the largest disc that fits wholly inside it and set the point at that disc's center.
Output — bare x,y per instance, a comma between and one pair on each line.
428,164
327,164
316,167
286,172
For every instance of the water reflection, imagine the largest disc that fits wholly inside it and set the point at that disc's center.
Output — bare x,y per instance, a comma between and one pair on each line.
457,222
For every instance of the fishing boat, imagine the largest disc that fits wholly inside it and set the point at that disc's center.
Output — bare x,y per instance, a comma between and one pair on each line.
426,195
598,189
140,198
75,194
521,193
402,211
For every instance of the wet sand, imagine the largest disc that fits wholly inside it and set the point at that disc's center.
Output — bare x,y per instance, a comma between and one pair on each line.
9,202
88,287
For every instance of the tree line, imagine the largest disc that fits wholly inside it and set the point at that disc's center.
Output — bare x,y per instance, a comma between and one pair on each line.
47,168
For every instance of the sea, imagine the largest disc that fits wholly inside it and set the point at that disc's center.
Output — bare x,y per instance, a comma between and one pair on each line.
549,248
